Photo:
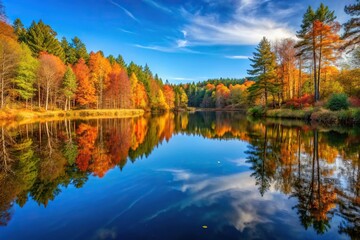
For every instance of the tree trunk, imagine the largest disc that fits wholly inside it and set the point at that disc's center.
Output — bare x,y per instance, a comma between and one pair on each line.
47,96
314,61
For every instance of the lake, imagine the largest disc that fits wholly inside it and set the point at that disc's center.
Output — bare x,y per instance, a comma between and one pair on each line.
204,175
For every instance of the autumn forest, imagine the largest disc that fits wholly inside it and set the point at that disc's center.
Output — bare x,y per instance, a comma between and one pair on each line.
40,71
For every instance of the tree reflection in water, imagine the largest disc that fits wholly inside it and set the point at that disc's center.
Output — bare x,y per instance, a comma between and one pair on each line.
320,168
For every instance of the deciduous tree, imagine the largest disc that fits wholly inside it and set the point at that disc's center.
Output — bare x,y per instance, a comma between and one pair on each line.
51,73
85,93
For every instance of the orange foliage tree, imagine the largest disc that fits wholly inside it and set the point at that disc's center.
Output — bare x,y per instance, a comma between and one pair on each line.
169,96
85,93
51,72
100,68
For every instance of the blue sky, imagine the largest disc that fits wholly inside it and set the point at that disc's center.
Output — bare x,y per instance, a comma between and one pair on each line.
181,40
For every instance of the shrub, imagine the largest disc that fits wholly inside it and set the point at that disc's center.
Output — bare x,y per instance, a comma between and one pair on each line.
325,117
345,116
338,102
256,111
298,103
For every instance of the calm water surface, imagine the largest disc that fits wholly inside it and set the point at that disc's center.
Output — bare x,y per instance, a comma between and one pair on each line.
179,176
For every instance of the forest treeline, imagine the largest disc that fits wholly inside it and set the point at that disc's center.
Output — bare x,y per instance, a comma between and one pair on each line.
40,71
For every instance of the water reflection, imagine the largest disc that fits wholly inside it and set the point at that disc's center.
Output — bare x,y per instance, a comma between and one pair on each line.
316,170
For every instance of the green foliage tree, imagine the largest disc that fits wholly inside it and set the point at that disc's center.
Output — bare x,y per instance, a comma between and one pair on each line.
352,26
264,68
311,44
19,30
42,38
120,60
26,74
69,51
80,49
69,87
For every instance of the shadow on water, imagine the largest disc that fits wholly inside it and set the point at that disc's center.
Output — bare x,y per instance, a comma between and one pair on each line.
318,167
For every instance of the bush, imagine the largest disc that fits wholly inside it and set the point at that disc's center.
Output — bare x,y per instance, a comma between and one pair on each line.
306,100
325,117
338,102
257,111
345,116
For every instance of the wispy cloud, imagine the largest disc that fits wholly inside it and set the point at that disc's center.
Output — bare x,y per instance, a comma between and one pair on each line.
239,57
245,25
125,31
158,6
186,79
178,47
156,48
127,12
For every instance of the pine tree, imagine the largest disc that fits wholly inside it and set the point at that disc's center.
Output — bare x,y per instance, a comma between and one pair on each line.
352,27
69,51
69,87
80,49
120,61
264,68
312,40
26,74
42,38
19,30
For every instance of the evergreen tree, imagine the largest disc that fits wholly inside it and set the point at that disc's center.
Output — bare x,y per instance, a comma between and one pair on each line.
19,30
26,74
111,59
264,68
312,39
69,87
352,27
42,38
69,51
120,61
80,49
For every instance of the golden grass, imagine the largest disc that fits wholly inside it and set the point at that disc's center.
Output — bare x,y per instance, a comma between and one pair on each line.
18,117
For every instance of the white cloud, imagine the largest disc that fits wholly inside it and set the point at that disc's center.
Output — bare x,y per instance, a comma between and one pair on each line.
127,12
181,43
243,208
179,47
125,31
245,26
156,48
237,57
158,6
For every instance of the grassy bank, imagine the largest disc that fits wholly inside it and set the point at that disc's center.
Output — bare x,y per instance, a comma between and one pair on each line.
25,116
320,115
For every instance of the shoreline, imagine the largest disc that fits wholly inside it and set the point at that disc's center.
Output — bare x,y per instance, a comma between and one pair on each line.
21,116
347,117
